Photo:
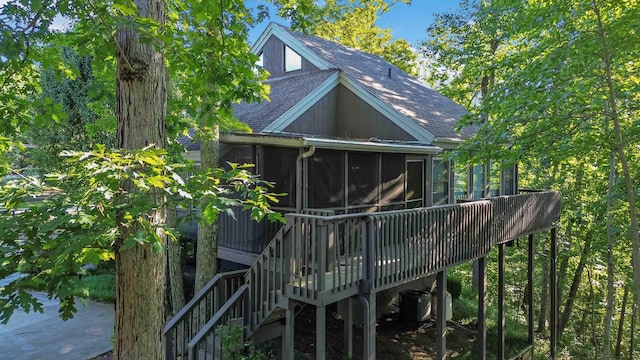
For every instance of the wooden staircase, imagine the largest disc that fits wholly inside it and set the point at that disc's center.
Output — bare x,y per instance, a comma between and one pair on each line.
319,258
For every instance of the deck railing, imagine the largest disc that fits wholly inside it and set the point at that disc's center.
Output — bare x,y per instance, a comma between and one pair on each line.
407,245
319,258
325,254
519,215
193,317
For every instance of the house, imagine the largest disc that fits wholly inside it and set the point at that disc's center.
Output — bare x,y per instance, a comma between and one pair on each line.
371,205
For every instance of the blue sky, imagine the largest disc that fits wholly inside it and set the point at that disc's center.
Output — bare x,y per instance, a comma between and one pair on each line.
408,22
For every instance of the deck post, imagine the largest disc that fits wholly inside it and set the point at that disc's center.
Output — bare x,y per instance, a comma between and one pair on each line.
321,332
287,350
501,352
369,336
441,315
482,308
554,294
531,319
348,329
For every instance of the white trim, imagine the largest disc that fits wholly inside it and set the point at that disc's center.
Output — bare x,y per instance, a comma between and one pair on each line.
303,105
448,143
291,41
324,143
388,111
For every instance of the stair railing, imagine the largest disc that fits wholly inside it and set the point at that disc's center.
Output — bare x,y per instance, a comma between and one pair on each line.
208,342
193,317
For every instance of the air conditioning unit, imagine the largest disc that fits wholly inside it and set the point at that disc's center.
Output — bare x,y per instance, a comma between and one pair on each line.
448,304
415,305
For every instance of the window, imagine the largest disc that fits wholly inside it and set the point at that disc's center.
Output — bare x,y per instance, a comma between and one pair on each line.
479,181
363,178
280,168
415,184
326,179
440,182
393,177
292,61
461,182
260,61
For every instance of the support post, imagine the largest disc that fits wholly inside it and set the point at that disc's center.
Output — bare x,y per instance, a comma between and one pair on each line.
554,293
369,335
287,350
348,329
501,321
441,315
482,308
321,332
531,250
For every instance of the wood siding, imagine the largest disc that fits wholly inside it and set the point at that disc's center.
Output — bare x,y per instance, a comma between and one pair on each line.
342,114
273,59
359,120
320,119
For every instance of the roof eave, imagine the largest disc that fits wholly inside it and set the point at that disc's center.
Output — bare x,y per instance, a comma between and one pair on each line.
303,105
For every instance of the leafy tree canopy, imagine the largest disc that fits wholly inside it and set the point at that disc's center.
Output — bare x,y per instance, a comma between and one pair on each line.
353,23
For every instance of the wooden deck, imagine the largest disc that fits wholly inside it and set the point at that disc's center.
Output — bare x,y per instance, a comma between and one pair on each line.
320,259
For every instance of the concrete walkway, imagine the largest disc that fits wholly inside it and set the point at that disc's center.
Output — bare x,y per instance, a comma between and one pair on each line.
45,336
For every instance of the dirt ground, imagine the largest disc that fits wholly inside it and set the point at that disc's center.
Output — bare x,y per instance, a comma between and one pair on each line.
397,339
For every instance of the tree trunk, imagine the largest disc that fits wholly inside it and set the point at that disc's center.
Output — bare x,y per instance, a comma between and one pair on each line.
140,272
174,268
608,318
207,246
619,145
592,307
575,285
625,296
544,284
565,252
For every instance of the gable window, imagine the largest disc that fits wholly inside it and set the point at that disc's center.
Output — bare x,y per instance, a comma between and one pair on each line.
292,61
260,61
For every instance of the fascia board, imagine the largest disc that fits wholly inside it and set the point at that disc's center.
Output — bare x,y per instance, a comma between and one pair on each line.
293,43
447,143
388,111
298,109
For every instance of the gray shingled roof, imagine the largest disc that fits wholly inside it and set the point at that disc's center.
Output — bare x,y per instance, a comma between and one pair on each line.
431,110
285,93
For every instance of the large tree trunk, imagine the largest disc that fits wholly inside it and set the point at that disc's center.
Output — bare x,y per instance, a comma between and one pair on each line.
619,146
207,246
140,272
575,284
608,318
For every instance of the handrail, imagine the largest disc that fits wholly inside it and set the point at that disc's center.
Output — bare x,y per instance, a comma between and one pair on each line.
333,218
202,306
222,314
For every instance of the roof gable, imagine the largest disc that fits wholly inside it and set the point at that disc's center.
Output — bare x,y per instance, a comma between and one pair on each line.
431,111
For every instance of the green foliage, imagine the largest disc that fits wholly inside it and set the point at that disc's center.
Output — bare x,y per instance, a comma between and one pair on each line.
533,76
79,219
69,87
353,23
454,286
99,287
234,348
